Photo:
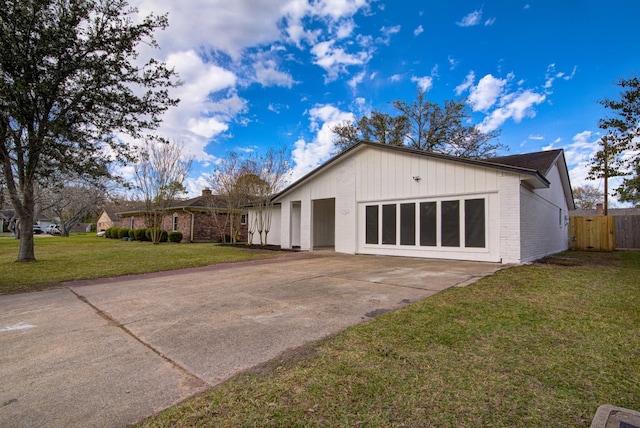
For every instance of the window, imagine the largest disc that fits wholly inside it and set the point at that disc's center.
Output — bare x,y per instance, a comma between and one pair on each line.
132,223
450,223
439,224
175,222
371,214
243,219
407,224
389,224
428,224
474,223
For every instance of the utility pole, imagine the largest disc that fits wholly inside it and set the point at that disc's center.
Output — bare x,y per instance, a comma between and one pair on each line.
605,139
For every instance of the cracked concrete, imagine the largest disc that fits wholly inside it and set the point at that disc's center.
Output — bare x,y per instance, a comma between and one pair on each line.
111,352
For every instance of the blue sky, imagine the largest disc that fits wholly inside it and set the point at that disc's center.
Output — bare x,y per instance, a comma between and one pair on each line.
260,74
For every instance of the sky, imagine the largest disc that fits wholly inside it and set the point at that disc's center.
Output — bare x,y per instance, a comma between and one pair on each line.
260,74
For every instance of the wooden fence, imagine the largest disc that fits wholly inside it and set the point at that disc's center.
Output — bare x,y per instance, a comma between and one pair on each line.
596,233
628,231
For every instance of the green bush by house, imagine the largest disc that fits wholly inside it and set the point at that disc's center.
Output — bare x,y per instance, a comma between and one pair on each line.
175,236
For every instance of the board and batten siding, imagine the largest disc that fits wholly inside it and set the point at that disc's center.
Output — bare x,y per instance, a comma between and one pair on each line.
390,177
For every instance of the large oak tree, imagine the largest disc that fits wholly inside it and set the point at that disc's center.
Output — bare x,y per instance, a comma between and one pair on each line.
70,80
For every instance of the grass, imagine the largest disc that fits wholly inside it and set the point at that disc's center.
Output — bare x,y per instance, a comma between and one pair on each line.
536,345
85,256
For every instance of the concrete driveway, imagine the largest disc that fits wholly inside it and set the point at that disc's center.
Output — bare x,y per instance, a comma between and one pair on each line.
111,352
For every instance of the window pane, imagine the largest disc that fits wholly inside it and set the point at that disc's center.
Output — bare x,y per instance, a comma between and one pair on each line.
407,224
450,223
474,224
428,224
389,224
372,224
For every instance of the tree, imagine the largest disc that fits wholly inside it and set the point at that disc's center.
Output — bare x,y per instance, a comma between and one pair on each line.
230,182
72,202
70,79
422,125
444,129
621,143
379,127
274,170
159,179
586,197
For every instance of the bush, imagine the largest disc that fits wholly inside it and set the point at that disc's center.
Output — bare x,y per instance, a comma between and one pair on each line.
175,236
112,232
140,234
123,233
163,235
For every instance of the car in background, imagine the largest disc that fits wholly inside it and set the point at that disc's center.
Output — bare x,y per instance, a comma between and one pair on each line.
37,230
53,229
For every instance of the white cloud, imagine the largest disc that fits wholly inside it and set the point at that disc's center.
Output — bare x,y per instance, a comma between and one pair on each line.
536,137
468,83
267,74
387,32
515,106
335,60
424,83
552,75
207,103
356,80
485,94
489,22
471,19
453,63
308,155
396,77
418,30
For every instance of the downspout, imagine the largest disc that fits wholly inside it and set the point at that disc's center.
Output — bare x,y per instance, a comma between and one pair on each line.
192,222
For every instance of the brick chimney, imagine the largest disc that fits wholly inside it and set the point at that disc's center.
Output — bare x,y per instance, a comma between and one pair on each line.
599,209
206,192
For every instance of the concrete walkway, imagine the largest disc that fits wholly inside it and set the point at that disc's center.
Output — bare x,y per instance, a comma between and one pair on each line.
111,352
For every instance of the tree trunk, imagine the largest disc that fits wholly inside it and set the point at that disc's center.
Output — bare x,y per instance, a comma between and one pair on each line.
26,251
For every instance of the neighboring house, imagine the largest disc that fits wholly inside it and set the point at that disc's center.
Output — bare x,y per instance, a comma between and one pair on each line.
107,218
193,218
388,200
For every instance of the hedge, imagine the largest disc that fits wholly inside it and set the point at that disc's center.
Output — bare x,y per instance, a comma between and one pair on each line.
175,236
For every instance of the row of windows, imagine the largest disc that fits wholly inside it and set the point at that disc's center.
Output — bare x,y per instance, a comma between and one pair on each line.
419,223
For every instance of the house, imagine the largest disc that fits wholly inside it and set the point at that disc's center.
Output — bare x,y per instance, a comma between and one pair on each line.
107,218
194,218
388,200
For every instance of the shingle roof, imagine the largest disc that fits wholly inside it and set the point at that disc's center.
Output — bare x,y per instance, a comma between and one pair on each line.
537,161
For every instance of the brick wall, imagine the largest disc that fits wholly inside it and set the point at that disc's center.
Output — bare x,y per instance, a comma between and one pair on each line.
205,228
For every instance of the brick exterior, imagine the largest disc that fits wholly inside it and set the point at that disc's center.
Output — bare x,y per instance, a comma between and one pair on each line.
205,228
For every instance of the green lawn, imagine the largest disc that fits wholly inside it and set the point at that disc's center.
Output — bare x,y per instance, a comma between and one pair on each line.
85,256
541,345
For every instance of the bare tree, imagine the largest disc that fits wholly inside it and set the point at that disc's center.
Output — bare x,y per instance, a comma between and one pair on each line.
586,197
274,171
72,201
159,177
231,183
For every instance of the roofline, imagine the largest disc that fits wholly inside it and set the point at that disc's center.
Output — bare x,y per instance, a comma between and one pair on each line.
363,143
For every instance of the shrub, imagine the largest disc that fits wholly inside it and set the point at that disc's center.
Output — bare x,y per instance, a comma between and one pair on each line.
140,234
112,232
123,233
163,235
175,236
